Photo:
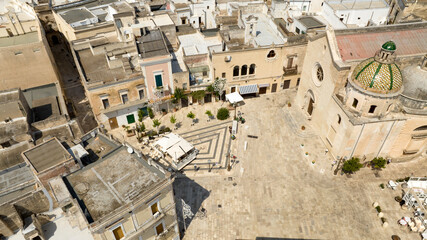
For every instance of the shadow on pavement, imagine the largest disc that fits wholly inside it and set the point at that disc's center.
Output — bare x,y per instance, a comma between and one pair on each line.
189,197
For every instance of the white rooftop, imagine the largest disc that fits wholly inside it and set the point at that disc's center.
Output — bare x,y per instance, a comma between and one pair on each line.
194,44
174,145
154,21
266,31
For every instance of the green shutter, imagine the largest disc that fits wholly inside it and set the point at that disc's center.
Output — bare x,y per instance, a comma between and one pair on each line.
159,80
130,118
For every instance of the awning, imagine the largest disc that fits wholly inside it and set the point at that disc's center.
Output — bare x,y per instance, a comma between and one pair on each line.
248,89
264,85
233,97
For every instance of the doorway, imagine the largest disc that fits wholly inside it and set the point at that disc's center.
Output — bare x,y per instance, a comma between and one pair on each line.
310,106
184,102
208,98
233,89
274,87
113,123
286,84
262,90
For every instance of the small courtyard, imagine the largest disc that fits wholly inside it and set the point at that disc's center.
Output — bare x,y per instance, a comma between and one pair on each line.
282,185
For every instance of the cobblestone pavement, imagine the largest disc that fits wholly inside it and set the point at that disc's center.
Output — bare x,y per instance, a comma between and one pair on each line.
275,189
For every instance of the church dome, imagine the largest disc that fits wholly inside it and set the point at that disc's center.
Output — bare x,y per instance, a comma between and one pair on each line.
379,74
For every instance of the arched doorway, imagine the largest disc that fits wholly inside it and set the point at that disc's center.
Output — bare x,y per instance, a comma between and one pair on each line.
309,102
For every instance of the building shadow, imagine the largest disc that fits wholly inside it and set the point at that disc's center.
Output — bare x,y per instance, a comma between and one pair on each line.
273,238
190,193
49,229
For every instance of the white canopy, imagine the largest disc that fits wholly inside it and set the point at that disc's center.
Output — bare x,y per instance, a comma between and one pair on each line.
174,145
234,97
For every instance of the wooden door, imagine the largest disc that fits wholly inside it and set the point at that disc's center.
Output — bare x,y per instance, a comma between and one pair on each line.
310,107
274,87
113,123
118,233
262,90
290,61
159,228
286,84
233,89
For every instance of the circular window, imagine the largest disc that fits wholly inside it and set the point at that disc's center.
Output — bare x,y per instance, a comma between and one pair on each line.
318,74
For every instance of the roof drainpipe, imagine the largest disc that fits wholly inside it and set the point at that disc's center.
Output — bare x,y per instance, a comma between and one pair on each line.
49,198
357,141
385,139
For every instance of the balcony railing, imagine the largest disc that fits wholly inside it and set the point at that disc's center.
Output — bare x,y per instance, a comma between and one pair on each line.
290,71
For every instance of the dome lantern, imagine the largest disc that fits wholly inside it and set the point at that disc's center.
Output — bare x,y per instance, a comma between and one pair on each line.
379,74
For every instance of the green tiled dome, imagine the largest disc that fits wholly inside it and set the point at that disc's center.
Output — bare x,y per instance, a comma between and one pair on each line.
377,77
389,45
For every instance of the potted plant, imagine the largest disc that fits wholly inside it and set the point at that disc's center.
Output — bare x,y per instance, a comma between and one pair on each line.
382,186
289,104
156,124
210,115
150,113
191,115
173,120
129,131
303,127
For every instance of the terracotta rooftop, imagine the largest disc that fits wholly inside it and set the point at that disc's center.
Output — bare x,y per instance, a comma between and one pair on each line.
364,45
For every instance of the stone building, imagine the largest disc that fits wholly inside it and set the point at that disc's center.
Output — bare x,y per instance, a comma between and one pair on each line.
23,46
353,91
122,196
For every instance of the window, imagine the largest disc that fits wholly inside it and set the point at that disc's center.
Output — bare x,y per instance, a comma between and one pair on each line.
36,50
207,7
372,108
286,84
339,119
252,69
18,53
160,229
355,102
319,73
130,118
141,93
105,103
236,71
205,73
125,98
118,233
184,86
244,70
155,208
223,75
297,30
183,20
341,19
271,54
159,80
299,79
421,128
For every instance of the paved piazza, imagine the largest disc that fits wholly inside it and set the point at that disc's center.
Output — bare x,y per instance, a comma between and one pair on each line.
274,190
213,142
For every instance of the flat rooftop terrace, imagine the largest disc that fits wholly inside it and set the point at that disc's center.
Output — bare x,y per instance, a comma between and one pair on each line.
266,35
357,4
47,155
26,38
112,182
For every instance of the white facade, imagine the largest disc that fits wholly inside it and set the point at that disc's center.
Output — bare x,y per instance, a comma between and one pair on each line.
358,16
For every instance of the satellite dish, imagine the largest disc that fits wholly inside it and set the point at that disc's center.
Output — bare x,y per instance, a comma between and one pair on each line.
130,150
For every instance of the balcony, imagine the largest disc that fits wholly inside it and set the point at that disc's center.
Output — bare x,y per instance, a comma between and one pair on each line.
290,71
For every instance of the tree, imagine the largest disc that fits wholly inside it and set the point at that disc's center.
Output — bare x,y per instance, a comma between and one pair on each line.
173,119
191,115
150,113
352,165
223,114
156,124
378,163
178,95
140,115
198,95
209,113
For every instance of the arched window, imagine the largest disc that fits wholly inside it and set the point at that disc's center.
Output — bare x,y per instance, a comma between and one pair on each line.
252,69
271,54
244,70
339,119
422,128
236,71
372,108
